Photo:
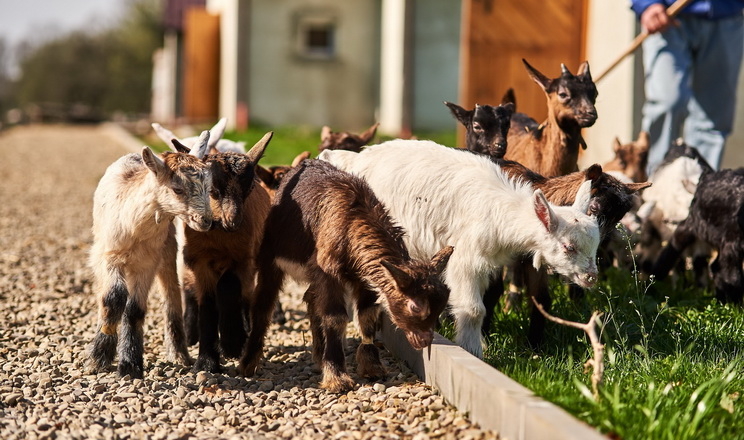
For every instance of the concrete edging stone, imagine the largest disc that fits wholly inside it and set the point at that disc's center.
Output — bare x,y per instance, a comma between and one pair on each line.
490,398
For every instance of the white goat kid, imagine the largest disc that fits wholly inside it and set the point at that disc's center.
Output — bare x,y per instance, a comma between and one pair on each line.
216,143
444,196
134,240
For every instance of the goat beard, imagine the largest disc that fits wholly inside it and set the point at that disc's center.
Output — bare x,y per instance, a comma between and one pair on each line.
420,340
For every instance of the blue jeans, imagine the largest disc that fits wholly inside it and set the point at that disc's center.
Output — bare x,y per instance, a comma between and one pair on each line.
691,76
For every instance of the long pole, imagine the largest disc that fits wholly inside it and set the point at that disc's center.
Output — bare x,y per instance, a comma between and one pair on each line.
671,12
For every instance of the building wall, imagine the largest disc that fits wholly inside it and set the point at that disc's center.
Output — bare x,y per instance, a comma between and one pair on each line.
286,88
436,56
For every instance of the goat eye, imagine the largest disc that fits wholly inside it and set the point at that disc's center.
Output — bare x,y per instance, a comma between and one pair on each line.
215,193
569,248
563,95
477,127
179,191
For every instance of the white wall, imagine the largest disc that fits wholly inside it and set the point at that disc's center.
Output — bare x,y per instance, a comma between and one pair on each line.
611,28
228,93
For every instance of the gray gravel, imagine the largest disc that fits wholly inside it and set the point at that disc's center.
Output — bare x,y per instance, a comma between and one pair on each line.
47,318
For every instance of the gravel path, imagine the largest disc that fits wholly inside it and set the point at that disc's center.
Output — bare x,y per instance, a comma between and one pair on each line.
47,317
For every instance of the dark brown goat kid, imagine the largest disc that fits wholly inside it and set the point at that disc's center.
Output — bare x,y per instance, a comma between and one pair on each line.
220,267
552,148
326,227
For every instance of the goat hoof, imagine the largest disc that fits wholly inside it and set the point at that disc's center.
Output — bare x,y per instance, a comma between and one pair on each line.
249,369
206,364
131,369
337,383
368,362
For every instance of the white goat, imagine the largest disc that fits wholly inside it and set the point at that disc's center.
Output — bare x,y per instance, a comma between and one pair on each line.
134,240
216,143
444,196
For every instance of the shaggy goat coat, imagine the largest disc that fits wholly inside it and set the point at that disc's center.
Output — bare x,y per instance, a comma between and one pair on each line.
326,227
444,196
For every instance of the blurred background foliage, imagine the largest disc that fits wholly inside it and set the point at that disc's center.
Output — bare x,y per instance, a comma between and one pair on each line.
86,75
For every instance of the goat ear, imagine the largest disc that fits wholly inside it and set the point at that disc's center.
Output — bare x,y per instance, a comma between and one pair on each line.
265,175
541,80
635,187
441,258
643,141
462,115
584,70
543,211
616,145
583,197
509,107
299,158
201,146
165,135
509,97
401,278
216,132
179,147
153,162
325,132
257,151
594,172
369,133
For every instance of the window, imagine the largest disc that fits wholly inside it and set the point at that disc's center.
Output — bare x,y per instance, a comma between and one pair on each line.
316,37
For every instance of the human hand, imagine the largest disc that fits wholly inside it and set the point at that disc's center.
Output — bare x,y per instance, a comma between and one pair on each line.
655,19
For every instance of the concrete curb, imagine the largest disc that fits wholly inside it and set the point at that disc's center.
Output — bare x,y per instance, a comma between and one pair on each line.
491,399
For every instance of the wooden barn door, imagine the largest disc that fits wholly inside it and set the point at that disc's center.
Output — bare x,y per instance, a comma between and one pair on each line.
201,70
497,34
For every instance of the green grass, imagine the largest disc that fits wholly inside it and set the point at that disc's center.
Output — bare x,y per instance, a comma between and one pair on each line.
673,361
289,141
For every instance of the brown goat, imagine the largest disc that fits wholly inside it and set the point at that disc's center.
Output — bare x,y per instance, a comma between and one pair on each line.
220,267
344,140
552,148
630,159
271,177
326,227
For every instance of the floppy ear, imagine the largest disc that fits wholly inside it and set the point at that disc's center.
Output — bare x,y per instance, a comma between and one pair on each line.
441,258
544,211
462,115
541,80
401,278
201,146
255,153
153,162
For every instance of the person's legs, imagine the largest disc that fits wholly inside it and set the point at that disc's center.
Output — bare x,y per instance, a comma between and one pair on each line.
667,66
717,48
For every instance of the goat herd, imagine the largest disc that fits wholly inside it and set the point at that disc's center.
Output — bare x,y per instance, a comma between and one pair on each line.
406,226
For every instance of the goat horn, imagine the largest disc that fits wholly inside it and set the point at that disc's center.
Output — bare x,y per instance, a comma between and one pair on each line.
564,70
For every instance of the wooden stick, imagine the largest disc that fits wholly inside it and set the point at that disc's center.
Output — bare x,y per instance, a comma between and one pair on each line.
671,12
590,328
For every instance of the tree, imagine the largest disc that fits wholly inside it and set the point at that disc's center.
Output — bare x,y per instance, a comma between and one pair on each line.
102,72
